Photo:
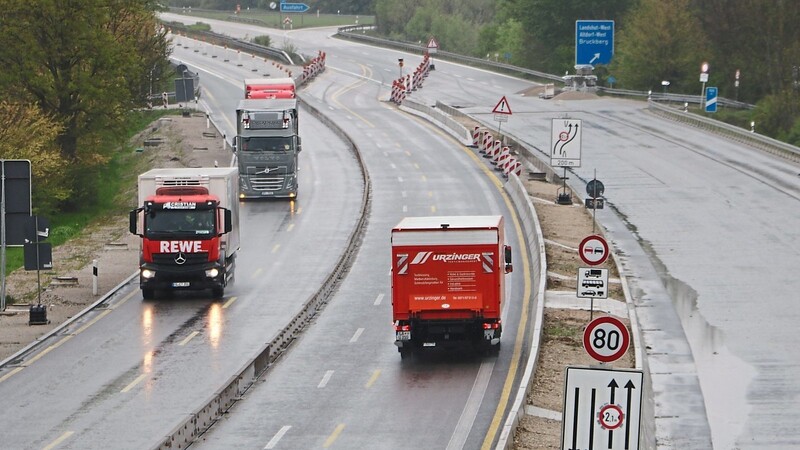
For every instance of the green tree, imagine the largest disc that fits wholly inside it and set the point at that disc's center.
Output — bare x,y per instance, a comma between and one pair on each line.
27,133
84,64
549,27
659,40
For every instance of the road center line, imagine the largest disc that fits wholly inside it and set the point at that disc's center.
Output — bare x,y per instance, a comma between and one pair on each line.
335,435
189,337
134,383
275,439
378,300
372,379
325,379
229,302
60,439
356,335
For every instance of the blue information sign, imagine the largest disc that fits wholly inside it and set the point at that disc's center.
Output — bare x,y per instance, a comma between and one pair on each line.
711,99
594,41
294,7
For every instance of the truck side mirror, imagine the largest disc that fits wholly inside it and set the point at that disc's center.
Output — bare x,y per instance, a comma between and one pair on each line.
228,221
299,144
234,144
509,266
133,221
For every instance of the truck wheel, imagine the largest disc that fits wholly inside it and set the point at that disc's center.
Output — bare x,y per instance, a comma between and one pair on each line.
405,352
148,294
217,292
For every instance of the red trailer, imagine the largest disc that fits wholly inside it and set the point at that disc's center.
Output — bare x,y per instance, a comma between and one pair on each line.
448,281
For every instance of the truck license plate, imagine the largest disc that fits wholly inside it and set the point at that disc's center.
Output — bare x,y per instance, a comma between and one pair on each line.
403,335
180,284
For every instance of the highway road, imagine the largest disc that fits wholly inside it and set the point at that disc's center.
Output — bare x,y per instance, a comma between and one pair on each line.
705,228
124,375
343,380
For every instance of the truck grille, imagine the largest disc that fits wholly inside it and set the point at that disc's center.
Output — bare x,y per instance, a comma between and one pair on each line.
266,183
191,258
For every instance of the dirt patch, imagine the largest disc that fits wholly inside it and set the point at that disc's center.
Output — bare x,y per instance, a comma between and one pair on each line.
68,288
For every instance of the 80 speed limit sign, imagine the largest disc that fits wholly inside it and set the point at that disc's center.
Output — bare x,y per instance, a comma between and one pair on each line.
606,339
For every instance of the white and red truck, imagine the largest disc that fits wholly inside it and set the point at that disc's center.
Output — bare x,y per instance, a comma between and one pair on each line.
188,219
448,281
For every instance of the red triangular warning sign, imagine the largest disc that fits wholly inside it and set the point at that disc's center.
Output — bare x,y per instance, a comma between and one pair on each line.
432,43
502,107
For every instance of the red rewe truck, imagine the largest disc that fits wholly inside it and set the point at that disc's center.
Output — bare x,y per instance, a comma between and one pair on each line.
188,220
448,281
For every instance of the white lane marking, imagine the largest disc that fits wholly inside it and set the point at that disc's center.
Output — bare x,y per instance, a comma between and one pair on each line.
405,208
325,379
60,439
134,383
189,337
400,179
275,439
465,422
357,335
378,300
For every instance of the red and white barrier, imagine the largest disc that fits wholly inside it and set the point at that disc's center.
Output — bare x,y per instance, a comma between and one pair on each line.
476,133
503,153
502,159
495,150
487,142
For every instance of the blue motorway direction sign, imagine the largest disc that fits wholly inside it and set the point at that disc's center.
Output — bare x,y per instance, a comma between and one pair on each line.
711,99
594,41
294,7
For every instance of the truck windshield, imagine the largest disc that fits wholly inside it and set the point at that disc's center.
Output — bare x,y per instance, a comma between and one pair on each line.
266,144
195,222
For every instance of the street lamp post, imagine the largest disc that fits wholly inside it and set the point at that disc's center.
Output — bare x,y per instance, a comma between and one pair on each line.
703,79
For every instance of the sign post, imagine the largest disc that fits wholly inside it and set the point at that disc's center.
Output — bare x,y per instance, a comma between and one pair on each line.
602,409
433,47
711,99
501,112
565,150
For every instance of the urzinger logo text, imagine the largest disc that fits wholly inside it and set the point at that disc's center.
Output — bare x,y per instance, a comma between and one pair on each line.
450,257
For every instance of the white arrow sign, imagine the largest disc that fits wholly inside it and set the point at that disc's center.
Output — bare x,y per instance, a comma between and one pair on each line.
602,409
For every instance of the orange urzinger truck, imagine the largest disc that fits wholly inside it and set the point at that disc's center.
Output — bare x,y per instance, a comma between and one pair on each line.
448,281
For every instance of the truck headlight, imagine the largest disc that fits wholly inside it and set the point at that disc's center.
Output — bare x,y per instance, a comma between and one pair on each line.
148,274
212,273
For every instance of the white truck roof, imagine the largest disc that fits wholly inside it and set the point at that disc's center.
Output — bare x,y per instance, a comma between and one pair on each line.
453,222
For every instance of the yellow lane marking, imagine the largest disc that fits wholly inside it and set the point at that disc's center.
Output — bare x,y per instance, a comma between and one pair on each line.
289,228
10,374
189,337
367,72
256,273
433,209
60,439
229,302
48,350
124,299
335,435
92,322
372,379
134,383
275,249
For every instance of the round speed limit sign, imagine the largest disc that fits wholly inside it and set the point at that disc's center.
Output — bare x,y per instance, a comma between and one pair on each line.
606,339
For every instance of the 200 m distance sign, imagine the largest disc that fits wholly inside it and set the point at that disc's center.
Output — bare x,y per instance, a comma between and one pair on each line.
606,339
593,250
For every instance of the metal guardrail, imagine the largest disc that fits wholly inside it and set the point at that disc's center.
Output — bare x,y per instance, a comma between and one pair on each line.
236,44
767,144
358,32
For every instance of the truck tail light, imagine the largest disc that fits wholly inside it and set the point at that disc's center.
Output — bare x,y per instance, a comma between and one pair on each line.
491,325
398,327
